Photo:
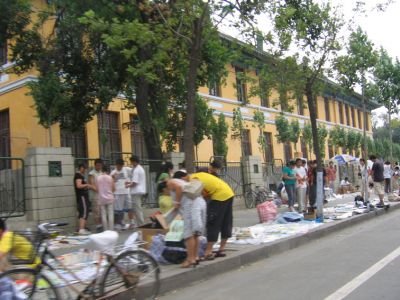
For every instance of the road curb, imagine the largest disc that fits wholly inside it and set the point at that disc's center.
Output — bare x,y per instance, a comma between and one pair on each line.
180,278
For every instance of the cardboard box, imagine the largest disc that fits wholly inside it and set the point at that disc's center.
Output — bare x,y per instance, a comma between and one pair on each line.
151,229
310,215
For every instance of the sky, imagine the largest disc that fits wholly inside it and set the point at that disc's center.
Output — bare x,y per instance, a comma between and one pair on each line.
382,27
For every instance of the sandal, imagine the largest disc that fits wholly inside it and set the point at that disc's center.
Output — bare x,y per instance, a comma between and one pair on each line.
187,264
219,254
210,256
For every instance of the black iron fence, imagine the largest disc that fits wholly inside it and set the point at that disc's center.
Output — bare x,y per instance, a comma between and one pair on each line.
12,187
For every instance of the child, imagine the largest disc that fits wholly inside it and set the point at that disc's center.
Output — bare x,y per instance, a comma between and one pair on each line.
105,196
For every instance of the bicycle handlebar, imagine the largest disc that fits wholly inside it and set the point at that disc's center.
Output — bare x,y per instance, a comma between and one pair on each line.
44,226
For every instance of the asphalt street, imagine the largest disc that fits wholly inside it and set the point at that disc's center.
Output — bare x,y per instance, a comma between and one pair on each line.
360,262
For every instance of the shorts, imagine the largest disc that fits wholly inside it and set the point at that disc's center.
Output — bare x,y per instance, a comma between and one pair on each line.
121,201
379,188
83,205
219,219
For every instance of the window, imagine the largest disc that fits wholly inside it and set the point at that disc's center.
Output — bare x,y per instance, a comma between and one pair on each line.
341,113
264,93
347,108
300,106
304,148
3,53
269,149
327,111
5,141
138,145
287,148
360,116
353,117
214,87
109,134
76,141
246,143
367,123
240,85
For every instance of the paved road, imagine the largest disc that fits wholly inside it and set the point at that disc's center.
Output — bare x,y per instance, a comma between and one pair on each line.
362,262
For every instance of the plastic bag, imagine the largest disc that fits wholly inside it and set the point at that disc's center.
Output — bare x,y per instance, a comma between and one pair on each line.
267,211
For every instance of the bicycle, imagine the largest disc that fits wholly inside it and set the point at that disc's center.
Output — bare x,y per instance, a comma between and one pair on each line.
133,273
252,197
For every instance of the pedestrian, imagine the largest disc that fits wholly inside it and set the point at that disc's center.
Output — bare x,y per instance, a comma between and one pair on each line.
387,174
121,178
137,185
82,198
395,180
93,174
219,212
301,185
364,177
215,167
193,213
165,172
105,186
331,173
289,178
378,178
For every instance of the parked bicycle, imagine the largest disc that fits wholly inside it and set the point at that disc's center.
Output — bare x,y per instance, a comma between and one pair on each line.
131,273
254,197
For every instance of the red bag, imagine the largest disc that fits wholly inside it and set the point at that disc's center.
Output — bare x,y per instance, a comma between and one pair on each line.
267,211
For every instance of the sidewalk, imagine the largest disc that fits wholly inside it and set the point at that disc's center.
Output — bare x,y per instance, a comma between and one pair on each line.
173,277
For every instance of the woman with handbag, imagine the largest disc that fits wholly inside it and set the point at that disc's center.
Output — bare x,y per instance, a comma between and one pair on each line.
193,210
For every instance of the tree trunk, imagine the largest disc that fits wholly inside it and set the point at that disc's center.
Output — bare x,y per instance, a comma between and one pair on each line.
195,56
314,129
365,148
150,130
390,136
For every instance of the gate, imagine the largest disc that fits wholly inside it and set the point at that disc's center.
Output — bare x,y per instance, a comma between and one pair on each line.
12,187
272,173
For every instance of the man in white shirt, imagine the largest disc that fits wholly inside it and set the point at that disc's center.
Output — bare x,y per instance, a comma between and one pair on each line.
93,174
137,186
301,185
122,198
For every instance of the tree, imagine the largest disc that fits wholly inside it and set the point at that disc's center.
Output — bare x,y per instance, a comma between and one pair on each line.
259,121
338,138
351,143
354,67
307,136
238,127
283,129
386,88
322,135
203,122
219,134
313,29
294,133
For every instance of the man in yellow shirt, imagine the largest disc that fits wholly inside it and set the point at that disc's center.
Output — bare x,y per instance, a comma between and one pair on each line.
219,212
21,248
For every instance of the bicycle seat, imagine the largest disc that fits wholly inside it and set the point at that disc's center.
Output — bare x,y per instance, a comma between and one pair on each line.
102,241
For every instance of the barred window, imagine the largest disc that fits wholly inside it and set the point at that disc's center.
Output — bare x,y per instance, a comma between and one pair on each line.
353,117
264,93
269,149
138,144
109,134
341,113
76,141
240,85
214,87
327,111
5,141
246,142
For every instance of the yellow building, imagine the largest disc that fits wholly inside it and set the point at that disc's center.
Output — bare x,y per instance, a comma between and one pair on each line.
117,129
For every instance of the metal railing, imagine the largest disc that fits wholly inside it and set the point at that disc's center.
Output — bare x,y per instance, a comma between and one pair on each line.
12,187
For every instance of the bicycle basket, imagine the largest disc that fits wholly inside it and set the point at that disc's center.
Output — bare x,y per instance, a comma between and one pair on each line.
24,247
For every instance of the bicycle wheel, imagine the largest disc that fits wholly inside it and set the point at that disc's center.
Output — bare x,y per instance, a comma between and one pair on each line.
134,273
30,284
